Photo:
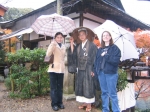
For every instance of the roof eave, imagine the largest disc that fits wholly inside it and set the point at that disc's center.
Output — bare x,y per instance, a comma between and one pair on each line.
4,8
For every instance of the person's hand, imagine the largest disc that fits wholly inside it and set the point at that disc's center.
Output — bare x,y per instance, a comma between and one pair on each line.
92,74
77,70
53,42
103,53
71,40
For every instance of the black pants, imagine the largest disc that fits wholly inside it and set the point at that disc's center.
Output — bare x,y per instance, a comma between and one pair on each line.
56,88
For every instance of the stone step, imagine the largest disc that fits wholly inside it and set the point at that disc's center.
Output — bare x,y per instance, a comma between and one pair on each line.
69,96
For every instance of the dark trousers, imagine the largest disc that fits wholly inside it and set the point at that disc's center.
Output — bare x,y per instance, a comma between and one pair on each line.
56,88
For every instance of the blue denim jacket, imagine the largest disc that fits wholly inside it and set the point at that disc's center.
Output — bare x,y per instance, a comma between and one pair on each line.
112,60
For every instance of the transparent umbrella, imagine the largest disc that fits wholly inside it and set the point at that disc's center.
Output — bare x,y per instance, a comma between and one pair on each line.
121,37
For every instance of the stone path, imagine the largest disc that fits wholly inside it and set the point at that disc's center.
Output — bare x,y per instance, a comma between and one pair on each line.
2,91
39,104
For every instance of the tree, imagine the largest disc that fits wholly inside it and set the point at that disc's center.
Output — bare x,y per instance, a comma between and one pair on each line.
2,52
10,44
142,89
13,13
142,39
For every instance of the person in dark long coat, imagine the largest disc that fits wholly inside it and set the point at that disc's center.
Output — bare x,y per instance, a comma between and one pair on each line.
84,84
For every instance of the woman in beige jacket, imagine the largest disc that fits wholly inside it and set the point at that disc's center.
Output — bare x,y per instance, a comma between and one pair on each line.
56,71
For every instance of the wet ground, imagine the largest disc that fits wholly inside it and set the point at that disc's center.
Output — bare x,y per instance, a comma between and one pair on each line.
39,104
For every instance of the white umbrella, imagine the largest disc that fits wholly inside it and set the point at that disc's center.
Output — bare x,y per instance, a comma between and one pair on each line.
121,37
51,24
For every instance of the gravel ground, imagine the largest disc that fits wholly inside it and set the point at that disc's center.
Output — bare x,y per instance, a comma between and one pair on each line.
39,104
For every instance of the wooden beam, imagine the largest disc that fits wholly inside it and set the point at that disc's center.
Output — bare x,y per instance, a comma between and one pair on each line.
92,20
142,77
75,18
81,19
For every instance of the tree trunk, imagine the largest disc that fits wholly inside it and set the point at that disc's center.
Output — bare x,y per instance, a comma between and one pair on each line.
12,84
59,8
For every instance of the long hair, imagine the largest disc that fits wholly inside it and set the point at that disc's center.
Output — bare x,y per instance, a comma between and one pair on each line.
103,43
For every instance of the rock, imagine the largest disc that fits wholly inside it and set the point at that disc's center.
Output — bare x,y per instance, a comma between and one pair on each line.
1,78
6,71
69,96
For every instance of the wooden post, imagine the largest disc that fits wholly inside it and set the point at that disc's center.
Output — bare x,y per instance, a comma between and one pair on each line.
132,109
68,78
81,19
59,9
9,44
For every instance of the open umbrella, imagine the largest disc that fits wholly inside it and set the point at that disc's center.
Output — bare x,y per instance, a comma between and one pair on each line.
90,34
121,37
49,25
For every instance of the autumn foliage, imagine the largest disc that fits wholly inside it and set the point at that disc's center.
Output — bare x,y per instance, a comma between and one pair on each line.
142,38
142,88
97,41
10,46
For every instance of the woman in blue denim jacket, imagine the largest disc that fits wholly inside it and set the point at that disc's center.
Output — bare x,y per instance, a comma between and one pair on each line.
106,67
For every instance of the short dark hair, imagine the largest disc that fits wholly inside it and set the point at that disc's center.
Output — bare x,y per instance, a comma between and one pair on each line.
59,33
103,43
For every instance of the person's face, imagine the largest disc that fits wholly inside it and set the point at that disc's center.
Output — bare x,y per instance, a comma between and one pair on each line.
82,36
106,37
59,39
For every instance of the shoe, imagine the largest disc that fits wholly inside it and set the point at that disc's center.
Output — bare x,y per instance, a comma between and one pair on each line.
55,108
61,106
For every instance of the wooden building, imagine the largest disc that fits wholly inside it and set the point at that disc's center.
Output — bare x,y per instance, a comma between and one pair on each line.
88,13
2,10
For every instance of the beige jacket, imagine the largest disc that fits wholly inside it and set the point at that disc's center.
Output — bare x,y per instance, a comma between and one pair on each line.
59,57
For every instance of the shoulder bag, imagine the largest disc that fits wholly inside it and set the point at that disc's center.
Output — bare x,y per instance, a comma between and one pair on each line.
49,59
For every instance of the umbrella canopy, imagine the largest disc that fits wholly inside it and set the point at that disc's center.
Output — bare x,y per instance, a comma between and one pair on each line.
51,24
121,37
90,34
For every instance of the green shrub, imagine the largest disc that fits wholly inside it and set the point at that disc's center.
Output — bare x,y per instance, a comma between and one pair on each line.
2,52
8,83
24,82
13,95
122,80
